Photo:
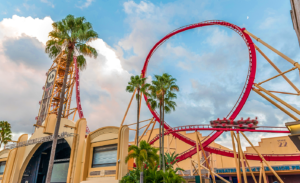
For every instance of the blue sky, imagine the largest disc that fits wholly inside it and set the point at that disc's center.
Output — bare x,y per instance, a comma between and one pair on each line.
109,17
210,63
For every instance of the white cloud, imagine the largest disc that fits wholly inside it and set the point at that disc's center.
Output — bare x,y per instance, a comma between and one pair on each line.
103,83
149,23
16,26
131,7
48,3
86,4
18,10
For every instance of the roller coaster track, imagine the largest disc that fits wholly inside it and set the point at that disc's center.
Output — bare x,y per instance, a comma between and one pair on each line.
78,100
268,129
232,114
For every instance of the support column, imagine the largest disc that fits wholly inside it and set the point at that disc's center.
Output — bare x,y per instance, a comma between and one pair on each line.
127,108
168,143
241,158
260,172
277,176
198,158
235,159
191,170
207,164
151,130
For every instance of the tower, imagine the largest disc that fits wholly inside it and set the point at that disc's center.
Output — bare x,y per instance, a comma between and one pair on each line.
52,90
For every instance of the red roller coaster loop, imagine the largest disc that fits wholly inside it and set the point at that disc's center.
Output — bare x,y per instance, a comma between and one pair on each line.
235,110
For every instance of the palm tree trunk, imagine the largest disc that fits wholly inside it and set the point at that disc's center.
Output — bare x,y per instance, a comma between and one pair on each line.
138,116
163,134
55,135
160,157
142,176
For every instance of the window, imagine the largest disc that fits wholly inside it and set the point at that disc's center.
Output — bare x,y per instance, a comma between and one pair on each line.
2,166
60,172
105,156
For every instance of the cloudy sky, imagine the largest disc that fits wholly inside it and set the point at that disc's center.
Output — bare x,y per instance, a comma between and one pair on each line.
210,63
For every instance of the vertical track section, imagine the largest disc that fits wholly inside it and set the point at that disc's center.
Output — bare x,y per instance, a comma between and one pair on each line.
78,100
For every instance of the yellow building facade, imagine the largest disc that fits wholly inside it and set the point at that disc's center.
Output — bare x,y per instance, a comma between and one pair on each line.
78,158
100,155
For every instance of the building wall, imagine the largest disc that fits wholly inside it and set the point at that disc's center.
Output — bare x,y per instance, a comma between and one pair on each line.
80,168
275,145
81,156
179,147
3,157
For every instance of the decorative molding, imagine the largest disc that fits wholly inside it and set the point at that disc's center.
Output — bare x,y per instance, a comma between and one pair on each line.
39,140
104,131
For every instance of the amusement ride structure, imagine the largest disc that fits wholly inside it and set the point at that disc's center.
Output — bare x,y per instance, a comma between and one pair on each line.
229,123
51,97
50,103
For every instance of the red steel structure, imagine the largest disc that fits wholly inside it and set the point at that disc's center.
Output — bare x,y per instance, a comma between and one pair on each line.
78,100
232,114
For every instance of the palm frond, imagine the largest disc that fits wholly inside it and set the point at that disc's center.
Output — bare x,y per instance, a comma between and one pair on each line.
81,62
72,34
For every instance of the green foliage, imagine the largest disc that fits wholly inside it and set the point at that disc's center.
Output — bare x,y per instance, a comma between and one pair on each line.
162,90
170,176
132,177
137,82
5,132
152,175
142,154
72,35
170,160
151,172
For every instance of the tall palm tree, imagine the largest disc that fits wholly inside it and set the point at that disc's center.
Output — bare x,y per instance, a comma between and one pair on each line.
142,154
162,96
5,133
137,83
71,35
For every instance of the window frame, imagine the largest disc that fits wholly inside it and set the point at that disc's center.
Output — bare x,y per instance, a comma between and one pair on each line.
1,163
99,149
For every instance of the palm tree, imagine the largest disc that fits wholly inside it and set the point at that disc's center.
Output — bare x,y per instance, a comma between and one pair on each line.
162,96
5,133
137,83
70,35
142,154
